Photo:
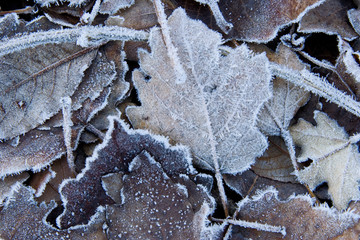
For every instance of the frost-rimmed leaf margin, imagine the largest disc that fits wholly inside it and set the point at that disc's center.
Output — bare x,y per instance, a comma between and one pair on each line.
108,136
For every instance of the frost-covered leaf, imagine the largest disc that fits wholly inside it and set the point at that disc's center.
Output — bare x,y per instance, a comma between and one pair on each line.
38,148
330,18
31,88
354,18
24,218
297,214
287,98
214,111
248,184
112,6
149,193
62,171
83,195
139,16
253,21
35,150
9,184
275,163
335,158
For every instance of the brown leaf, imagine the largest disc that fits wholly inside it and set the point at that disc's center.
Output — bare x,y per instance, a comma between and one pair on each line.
248,184
330,18
23,218
253,21
297,214
82,196
9,184
61,169
139,16
275,163
149,193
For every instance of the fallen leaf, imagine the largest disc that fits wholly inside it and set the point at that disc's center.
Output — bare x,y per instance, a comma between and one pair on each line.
139,16
335,158
10,184
254,21
249,184
149,193
43,76
275,163
83,195
354,18
214,111
331,18
297,214
38,148
112,6
23,218
287,98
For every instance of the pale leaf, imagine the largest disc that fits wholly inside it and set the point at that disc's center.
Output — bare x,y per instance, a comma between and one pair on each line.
287,98
215,111
335,158
31,88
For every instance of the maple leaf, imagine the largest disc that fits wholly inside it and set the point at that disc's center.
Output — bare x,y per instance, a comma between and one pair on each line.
83,195
296,214
215,110
335,158
147,192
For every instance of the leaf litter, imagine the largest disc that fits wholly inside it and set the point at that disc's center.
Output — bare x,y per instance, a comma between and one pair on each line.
196,89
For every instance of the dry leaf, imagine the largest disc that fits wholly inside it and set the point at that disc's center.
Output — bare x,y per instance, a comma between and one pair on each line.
139,16
31,89
335,158
248,184
330,18
112,6
253,21
83,195
38,148
275,163
10,184
35,150
287,98
214,111
23,218
297,215
149,193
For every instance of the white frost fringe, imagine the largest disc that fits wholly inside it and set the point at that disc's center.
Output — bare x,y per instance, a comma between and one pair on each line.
67,123
83,36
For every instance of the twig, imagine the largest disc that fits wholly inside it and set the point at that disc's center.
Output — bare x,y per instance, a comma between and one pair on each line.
84,36
310,82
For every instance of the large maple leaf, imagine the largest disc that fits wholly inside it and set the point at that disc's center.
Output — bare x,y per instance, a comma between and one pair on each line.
215,110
